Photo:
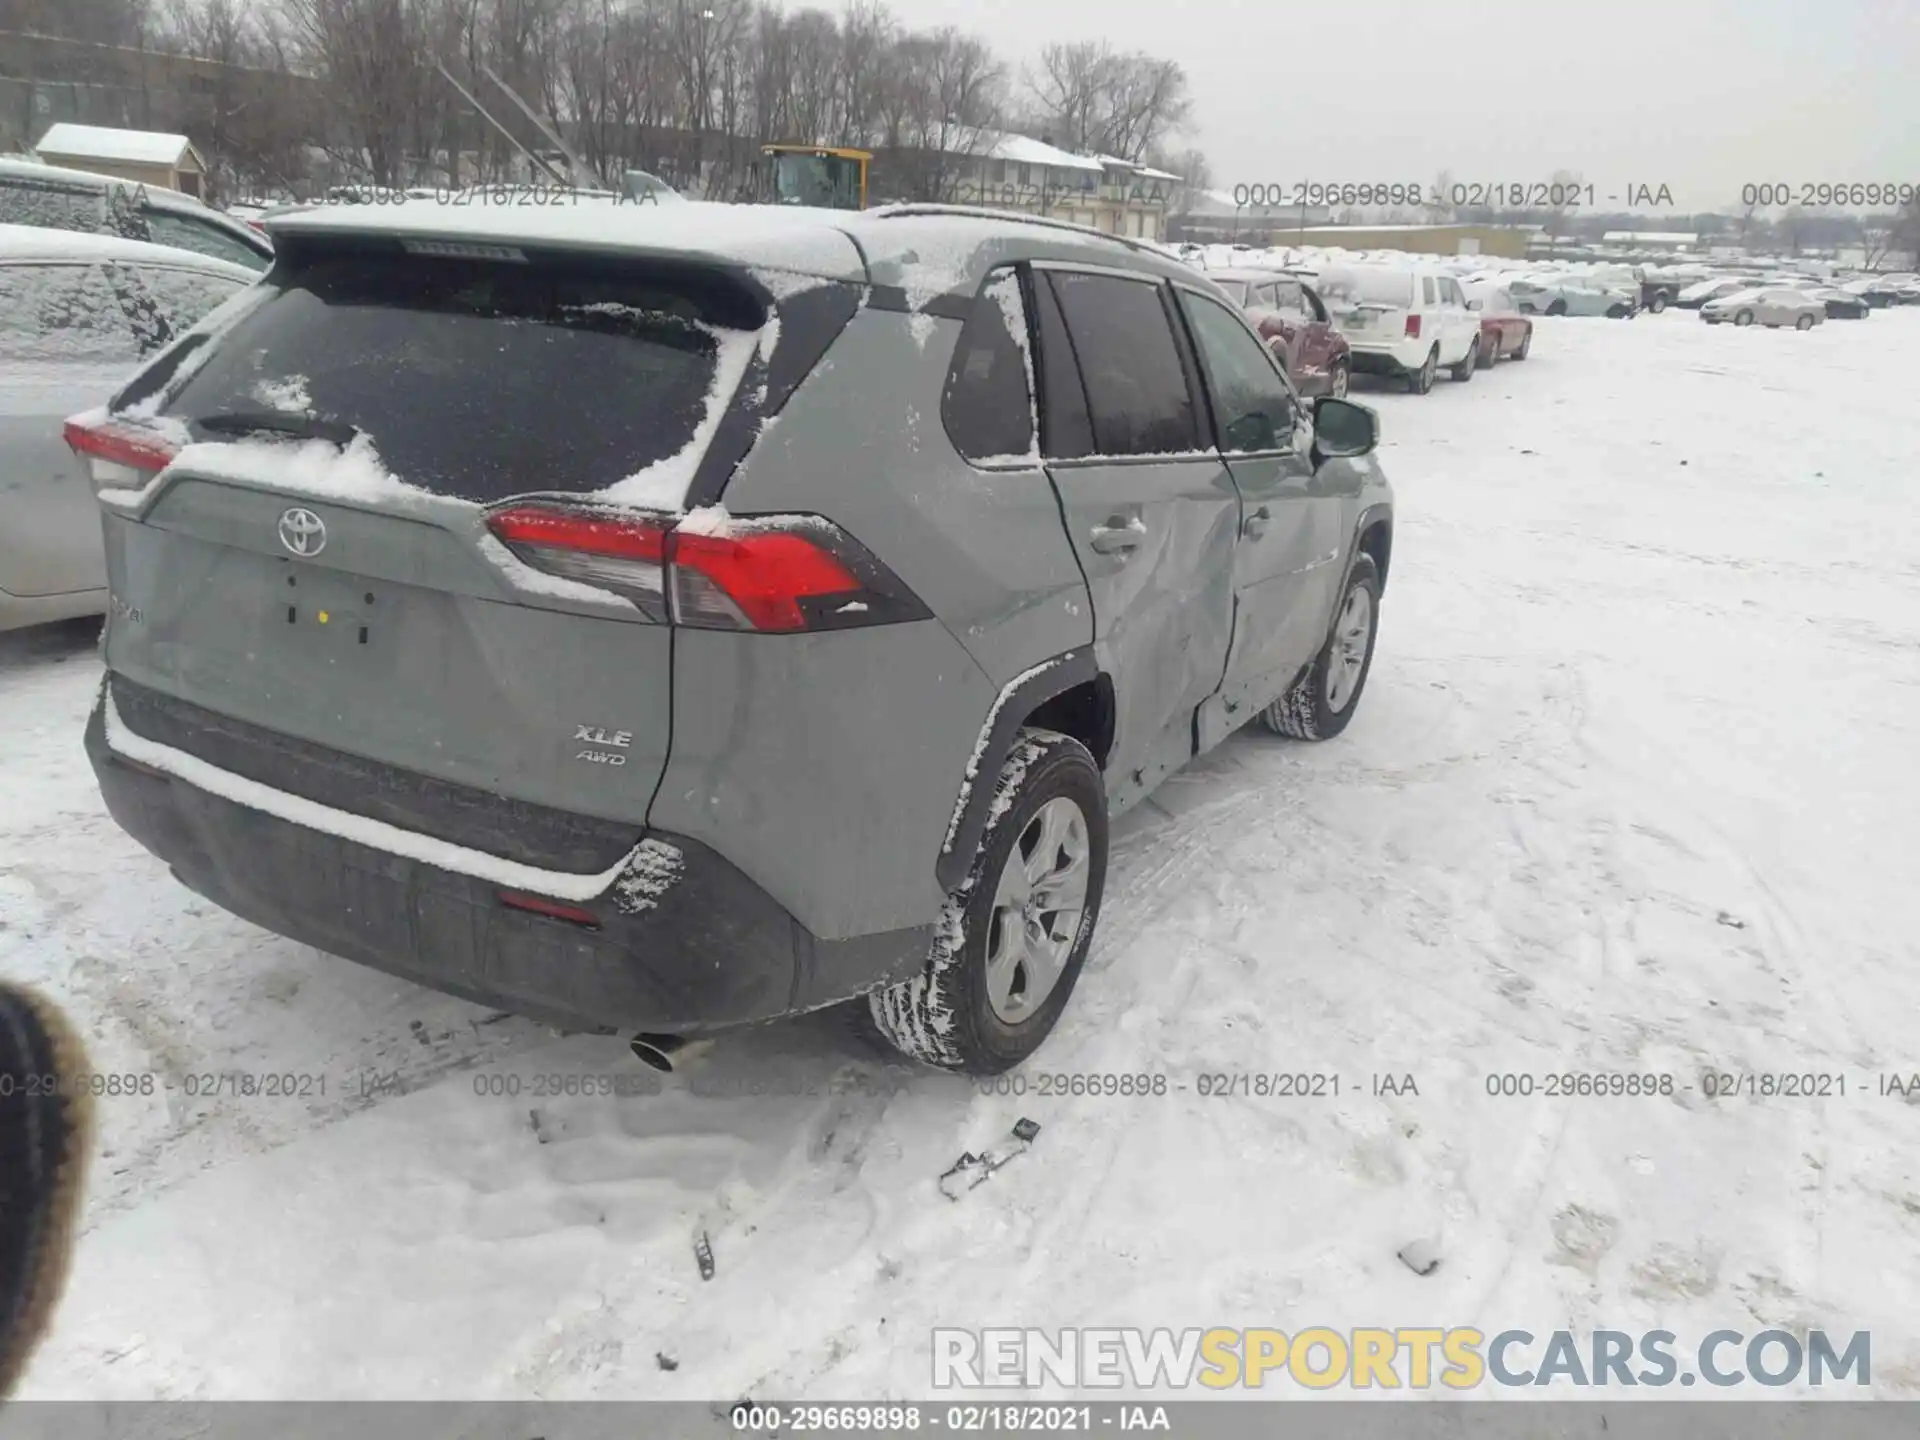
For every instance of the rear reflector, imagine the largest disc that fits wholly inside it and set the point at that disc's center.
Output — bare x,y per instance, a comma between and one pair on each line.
773,575
120,455
552,909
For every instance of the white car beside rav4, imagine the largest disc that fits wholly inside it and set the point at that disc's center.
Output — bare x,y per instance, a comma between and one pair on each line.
1404,320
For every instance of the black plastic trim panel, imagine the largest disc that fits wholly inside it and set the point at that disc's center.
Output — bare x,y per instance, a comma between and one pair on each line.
461,815
1076,667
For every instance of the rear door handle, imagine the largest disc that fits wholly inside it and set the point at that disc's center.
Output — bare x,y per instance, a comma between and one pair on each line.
1118,536
1255,525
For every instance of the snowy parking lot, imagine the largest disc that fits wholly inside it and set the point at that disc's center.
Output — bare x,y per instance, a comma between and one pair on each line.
1632,793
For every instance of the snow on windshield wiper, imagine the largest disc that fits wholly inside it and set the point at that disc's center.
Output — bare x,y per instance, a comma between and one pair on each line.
279,422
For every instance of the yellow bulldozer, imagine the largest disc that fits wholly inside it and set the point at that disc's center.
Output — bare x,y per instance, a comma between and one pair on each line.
830,177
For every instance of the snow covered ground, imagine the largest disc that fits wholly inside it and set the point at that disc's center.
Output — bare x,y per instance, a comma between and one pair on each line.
1633,789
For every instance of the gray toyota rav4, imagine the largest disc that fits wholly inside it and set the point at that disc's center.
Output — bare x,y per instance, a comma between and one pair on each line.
666,619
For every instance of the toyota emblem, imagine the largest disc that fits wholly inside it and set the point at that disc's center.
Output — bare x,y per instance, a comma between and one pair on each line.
303,532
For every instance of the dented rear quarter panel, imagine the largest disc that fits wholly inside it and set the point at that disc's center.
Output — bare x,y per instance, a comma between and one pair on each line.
787,748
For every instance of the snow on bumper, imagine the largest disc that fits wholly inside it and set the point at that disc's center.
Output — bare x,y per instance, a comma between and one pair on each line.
681,940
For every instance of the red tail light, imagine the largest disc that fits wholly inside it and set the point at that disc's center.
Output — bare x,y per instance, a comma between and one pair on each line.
120,455
778,574
1413,327
622,553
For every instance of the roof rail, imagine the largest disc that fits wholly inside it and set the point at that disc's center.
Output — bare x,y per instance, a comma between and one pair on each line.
981,212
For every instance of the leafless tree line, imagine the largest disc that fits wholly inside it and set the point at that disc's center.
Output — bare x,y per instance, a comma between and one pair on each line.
689,89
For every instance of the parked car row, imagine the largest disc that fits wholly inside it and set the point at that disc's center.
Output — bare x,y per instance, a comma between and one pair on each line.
1407,321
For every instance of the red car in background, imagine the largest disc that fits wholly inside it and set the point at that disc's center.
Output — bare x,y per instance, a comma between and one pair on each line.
1505,334
1294,323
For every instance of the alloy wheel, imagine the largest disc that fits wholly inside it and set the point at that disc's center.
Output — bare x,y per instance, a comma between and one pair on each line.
1348,654
1037,907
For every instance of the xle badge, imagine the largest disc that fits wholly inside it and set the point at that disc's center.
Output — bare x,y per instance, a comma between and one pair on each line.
594,735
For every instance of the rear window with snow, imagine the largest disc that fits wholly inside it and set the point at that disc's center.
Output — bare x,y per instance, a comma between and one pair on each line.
1361,286
484,379
53,207
57,313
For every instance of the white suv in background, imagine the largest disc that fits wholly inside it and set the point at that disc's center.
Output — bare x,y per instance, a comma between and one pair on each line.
1406,320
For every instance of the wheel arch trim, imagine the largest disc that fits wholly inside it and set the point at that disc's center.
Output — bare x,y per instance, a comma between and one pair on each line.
1017,699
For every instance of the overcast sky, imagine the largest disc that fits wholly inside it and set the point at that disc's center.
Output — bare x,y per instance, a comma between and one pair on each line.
1701,95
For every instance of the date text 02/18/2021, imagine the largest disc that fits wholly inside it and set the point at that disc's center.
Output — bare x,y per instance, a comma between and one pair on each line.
1455,195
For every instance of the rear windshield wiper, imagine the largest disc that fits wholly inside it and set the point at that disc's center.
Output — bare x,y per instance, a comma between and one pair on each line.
279,422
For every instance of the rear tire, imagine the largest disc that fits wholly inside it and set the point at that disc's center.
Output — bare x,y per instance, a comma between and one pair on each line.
1468,364
1420,381
1526,344
977,1006
1558,307
1489,352
1658,303
1805,322
1338,380
1323,700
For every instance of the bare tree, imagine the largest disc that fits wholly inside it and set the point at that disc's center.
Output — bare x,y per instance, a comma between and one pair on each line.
688,88
1090,99
1905,238
1565,186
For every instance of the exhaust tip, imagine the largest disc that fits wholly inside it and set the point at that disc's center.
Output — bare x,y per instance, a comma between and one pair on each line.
657,1050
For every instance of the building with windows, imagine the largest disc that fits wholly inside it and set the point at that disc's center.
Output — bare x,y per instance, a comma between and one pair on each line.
1016,172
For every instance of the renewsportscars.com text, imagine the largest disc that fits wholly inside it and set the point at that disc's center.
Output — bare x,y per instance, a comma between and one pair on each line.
1367,1358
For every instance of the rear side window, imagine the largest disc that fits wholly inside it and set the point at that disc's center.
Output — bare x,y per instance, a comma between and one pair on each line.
184,296
1137,391
63,313
988,402
1426,288
482,379
1066,430
203,237
52,207
161,302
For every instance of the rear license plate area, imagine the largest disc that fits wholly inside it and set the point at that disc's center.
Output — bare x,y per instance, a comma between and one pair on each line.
328,610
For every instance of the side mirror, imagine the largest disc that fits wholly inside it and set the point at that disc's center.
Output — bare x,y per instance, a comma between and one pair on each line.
1343,430
1476,304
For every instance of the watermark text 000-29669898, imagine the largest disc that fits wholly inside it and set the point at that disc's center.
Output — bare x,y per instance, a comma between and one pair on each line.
1455,195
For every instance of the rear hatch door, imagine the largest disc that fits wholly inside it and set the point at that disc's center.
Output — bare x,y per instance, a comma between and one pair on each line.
316,562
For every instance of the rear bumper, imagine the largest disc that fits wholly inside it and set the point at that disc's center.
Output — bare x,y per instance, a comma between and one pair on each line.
1383,357
682,941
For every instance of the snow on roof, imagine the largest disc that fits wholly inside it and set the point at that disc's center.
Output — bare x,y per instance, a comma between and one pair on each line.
781,237
28,243
1025,151
1648,237
1136,167
96,142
